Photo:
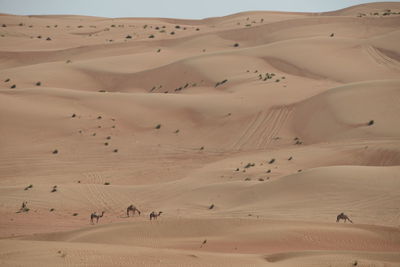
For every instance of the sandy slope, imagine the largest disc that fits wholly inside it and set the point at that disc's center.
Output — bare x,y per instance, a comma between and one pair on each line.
279,158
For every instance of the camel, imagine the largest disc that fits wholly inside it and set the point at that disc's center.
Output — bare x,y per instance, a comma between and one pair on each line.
344,217
133,209
154,215
97,216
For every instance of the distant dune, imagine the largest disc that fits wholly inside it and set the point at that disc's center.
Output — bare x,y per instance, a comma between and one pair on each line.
250,132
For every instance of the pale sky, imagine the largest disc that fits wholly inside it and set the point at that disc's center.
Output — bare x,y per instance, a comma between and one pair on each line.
193,9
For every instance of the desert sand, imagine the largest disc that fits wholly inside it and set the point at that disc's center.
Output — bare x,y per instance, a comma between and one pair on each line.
250,132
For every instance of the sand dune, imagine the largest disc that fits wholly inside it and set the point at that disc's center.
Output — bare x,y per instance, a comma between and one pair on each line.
250,132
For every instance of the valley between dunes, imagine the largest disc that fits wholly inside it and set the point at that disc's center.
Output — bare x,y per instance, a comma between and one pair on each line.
250,132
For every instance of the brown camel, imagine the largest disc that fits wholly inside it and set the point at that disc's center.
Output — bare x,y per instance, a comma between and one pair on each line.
344,217
154,215
97,216
133,209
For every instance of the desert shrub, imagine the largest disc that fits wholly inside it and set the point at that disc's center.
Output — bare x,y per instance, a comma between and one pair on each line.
268,76
75,214
52,209
28,187
237,169
271,161
145,26
48,39
290,158
151,36
115,151
7,80
172,33
128,37
269,171
106,143
202,148
220,83
248,25
277,80
108,137
332,34
13,86
38,84
159,50
158,126
102,91
236,45
73,115
197,29
211,207
54,189
261,179
113,26
177,27
177,131
4,25
371,122
106,183
68,61
55,151
99,117
247,179
248,165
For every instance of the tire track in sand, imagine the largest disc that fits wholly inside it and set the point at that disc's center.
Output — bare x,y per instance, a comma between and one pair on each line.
381,58
262,128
